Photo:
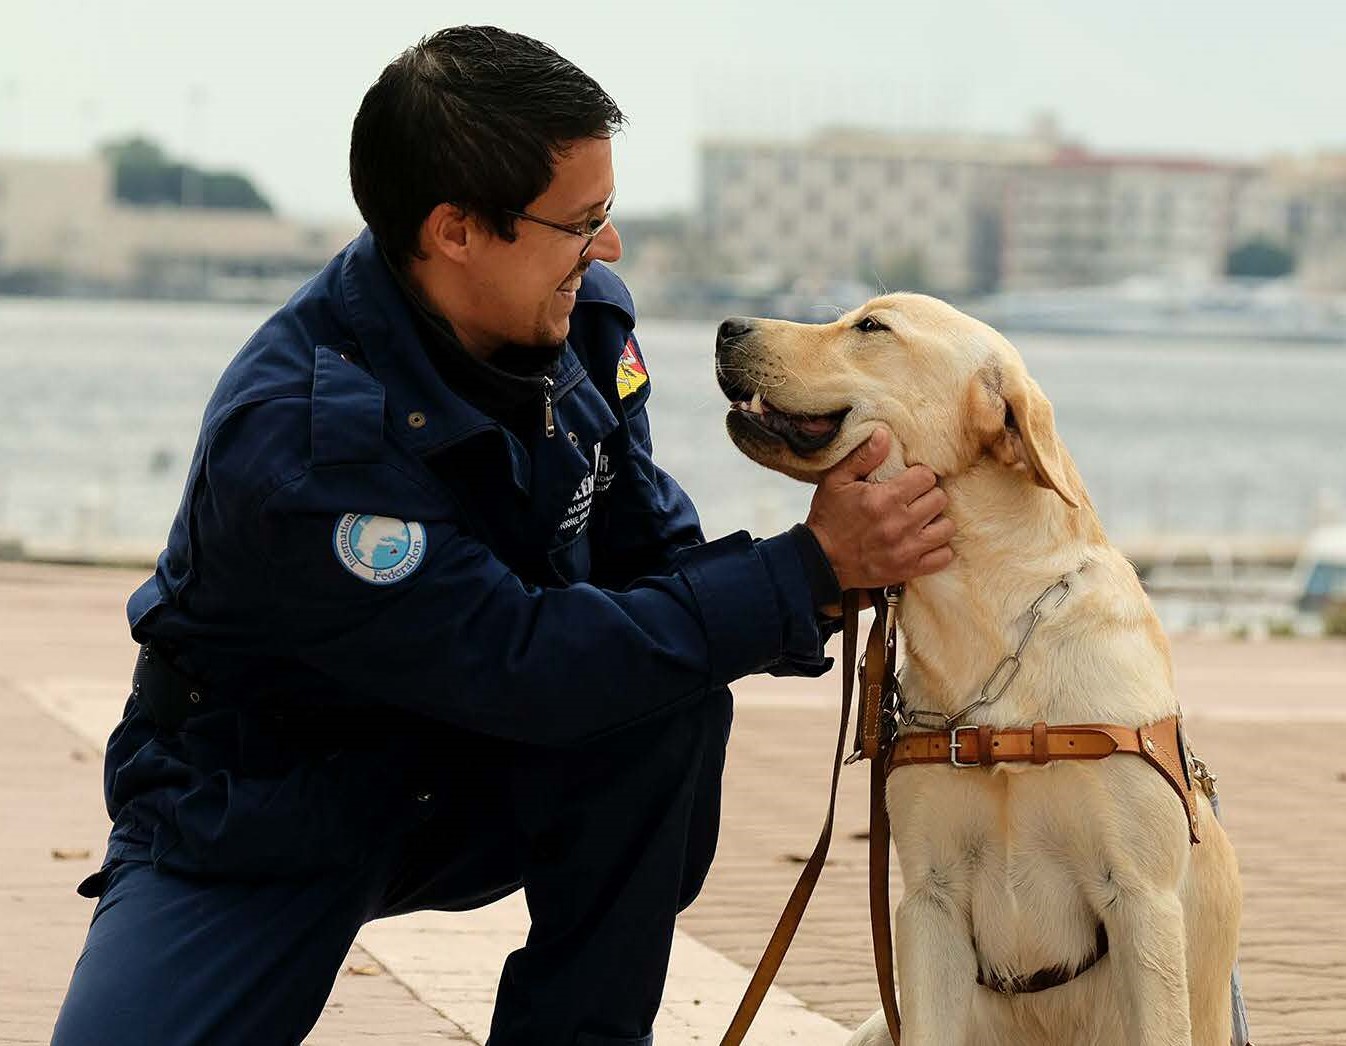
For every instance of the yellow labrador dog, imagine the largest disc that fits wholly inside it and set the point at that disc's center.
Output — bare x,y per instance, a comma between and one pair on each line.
1079,867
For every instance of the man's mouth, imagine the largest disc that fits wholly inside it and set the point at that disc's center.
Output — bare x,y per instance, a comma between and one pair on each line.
804,434
571,286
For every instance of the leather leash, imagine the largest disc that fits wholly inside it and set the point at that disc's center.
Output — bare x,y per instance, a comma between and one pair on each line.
873,738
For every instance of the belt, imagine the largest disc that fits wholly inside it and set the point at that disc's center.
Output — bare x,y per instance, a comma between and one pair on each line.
167,694
171,697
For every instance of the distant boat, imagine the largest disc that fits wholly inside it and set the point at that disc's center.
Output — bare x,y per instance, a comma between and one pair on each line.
1320,573
1252,310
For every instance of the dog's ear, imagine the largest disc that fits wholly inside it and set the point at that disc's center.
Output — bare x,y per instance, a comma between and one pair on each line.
1017,427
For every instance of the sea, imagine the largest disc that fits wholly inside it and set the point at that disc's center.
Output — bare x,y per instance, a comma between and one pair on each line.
100,403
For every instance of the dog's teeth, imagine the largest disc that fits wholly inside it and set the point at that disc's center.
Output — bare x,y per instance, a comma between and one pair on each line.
756,405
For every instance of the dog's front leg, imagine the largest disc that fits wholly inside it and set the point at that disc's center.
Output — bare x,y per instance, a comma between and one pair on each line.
1145,939
936,966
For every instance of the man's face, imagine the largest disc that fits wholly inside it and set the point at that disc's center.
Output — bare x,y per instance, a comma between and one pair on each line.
522,291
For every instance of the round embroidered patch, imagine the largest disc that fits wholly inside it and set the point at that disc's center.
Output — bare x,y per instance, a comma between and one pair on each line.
378,549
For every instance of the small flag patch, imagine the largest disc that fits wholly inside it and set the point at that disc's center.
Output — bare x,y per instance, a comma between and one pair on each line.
631,373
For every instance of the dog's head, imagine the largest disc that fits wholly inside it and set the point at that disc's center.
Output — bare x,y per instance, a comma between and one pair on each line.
951,389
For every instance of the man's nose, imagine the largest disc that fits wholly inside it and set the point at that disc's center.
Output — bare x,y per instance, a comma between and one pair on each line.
607,245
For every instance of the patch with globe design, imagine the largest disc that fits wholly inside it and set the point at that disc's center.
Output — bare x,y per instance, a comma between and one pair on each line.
631,373
378,549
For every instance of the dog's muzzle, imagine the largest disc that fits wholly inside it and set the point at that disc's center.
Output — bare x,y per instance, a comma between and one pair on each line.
752,417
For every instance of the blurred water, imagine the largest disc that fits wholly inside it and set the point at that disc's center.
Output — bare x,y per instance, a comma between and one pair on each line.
100,403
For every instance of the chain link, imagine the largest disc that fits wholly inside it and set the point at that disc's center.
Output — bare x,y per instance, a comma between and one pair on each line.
1004,673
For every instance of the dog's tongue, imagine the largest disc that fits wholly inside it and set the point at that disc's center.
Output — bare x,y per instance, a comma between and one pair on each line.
812,426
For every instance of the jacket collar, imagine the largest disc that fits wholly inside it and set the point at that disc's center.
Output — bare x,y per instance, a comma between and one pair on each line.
426,413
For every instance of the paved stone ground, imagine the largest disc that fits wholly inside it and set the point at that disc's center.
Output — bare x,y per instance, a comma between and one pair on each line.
55,825
1285,810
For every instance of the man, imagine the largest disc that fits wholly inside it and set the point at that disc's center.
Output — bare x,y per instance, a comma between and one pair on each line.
431,626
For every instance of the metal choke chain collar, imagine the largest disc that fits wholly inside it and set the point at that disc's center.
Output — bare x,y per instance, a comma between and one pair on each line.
1002,676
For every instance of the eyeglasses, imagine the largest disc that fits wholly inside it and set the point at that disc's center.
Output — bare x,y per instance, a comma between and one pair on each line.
588,231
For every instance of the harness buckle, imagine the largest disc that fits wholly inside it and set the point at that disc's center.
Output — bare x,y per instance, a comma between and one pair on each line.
955,745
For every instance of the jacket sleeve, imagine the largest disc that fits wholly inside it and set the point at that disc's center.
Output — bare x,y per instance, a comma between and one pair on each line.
651,524
463,639
458,636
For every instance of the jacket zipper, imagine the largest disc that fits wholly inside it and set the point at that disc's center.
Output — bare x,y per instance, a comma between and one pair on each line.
548,417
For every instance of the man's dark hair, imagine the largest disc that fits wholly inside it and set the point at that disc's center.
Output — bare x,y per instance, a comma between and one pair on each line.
472,116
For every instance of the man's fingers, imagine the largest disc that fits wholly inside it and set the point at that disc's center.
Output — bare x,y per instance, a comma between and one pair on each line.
939,532
863,460
934,560
928,506
914,482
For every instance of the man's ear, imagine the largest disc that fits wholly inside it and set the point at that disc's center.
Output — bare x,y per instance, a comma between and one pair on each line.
1016,425
446,232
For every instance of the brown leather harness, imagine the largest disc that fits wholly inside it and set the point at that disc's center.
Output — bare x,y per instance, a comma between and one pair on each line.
877,740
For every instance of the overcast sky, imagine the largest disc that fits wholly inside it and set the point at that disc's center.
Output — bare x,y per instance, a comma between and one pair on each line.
271,87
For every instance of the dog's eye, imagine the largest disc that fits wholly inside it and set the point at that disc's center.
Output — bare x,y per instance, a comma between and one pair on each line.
869,325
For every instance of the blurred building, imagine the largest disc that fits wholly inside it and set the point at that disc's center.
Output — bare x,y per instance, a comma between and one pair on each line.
1299,204
1086,219
958,215
62,230
923,211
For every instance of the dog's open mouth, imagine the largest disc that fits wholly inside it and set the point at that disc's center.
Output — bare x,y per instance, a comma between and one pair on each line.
803,433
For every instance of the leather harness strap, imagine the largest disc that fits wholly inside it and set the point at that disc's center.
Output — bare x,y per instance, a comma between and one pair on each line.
1159,744
879,664
880,909
783,934
1051,977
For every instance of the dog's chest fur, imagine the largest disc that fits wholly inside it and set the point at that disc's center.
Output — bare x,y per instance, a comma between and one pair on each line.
1003,851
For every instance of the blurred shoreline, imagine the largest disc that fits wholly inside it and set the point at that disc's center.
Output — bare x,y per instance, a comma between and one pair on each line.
1209,461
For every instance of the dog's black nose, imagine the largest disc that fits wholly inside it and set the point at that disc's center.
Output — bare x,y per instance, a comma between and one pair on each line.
734,327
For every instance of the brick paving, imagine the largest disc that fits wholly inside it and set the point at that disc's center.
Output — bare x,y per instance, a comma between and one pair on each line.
1285,810
50,802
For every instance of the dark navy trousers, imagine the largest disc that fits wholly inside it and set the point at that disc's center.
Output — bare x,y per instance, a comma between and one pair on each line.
609,840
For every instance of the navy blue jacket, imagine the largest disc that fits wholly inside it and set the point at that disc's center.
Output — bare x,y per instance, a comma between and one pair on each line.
354,534
559,589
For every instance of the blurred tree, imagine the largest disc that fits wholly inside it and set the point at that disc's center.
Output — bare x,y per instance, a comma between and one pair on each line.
1259,258
135,151
146,176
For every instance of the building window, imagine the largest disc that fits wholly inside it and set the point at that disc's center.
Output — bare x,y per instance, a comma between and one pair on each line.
729,166
1298,218
789,169
894,172
1163,208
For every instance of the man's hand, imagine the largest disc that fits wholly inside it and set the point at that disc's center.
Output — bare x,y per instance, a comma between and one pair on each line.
879,534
